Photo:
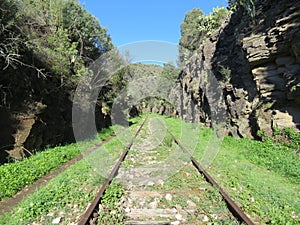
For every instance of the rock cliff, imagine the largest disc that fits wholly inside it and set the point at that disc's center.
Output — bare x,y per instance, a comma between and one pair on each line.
246,74
35,113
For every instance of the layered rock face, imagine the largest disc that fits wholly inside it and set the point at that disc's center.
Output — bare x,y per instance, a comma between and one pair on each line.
247,74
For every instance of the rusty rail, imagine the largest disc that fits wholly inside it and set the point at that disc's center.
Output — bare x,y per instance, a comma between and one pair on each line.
95,204
232,206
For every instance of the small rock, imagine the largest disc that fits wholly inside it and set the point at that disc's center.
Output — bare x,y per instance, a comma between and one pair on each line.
130,201
142,203
205,219
178,207
153,205
161,182
293,214
174,211
127,210
175,223
191,204
113,212
151,183
197,199
282,119
56,220
50,214
168,197
214,216
178,216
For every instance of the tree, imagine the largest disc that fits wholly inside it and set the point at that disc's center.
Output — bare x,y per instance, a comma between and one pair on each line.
191,28
195,27
248,5
10,36
85,29
61,34
170,71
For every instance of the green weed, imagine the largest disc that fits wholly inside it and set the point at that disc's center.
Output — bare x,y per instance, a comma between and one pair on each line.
17,175
111,211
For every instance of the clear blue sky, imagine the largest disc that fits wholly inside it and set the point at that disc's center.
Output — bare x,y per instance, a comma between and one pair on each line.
128,21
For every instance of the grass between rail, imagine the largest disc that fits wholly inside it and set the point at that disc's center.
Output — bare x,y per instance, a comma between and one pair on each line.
262,177
67,195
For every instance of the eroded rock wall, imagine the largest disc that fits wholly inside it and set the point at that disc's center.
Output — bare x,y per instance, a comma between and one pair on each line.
249,71
35,112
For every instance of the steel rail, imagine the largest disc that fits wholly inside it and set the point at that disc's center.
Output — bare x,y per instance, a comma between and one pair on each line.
95,204
232,206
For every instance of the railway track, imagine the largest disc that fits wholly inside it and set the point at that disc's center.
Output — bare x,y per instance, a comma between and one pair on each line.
145,201
9,204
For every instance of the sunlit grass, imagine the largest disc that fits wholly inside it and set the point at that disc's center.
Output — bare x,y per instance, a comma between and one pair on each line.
248,170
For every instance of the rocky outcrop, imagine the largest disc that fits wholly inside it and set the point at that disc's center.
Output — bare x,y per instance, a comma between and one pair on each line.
248,71
35,113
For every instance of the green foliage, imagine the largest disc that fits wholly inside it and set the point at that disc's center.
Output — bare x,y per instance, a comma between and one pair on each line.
191,29
170,71
106,132
50,12
248,5
288,137
226,73
10,37
196,26
112,194
15,176
279,153
111,212
255,174
262,176
69,192
121,78
64,191
62,35
281,157
60,51
168,141
214,19
84,28
113,87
